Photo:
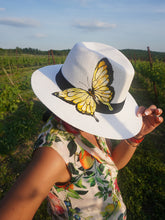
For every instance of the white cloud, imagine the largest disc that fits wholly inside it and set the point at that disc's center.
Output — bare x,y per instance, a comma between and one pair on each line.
39,35
19,22
94,26
2,9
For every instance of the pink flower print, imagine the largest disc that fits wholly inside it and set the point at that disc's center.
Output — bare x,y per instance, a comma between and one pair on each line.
116,185
56,204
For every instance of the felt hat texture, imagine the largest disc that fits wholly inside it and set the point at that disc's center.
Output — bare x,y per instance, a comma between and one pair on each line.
97,72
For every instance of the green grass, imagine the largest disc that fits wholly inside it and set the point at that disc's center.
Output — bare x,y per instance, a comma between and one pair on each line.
141,181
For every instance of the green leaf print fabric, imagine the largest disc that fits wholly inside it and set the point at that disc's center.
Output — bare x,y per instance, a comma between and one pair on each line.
92,193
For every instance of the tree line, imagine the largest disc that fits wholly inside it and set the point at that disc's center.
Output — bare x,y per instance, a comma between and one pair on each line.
132,54
32,51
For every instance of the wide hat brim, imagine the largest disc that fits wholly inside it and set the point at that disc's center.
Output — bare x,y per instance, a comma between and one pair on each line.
121,125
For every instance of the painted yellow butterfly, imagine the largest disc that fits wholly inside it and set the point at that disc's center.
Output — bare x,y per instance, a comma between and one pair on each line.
101,92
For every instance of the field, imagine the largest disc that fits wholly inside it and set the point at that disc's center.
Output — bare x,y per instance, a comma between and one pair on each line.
141,181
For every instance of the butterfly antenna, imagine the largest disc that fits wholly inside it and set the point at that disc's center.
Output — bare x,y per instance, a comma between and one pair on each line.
84,84
87,87
88,82
96,118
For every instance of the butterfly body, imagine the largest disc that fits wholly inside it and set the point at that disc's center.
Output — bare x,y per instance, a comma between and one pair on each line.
101,91
91,93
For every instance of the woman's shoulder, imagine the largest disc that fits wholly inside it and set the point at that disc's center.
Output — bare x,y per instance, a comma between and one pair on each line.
54,135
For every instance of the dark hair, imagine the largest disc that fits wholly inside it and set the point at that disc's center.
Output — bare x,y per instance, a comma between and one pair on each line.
46,115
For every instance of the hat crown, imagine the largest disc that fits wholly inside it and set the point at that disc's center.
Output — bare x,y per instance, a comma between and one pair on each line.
108,110
81,62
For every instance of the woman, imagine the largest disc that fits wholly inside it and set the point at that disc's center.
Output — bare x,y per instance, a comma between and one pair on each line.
73,163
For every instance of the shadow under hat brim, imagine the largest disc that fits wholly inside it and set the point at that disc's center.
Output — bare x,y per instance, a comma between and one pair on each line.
121,125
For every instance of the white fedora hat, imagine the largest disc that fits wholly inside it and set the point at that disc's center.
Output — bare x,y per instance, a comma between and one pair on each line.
90,91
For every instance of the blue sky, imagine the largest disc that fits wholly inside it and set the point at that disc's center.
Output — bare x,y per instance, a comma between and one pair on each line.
59,24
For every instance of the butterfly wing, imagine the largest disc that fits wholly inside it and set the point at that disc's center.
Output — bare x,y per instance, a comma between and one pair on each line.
85,101
102,79
82,99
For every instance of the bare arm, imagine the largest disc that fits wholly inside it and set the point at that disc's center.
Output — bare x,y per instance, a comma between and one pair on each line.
124,151
22,201
122,154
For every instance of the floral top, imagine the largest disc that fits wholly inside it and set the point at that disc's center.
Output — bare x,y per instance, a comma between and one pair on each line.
92,193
